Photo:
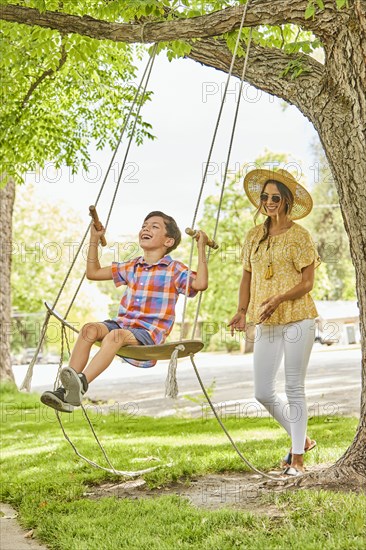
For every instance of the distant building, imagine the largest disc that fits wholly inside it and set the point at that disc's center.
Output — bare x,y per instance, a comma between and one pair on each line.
338,321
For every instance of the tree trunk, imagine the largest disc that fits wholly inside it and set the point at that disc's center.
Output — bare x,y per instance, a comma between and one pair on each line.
7,195
341,124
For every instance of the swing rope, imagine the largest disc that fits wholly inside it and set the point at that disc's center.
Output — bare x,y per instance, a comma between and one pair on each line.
235,447
249,464
213,141
226,170
148,69
27,380
26,384
111,468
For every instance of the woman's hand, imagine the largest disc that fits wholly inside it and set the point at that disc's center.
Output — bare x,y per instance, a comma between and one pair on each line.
238,322
269,306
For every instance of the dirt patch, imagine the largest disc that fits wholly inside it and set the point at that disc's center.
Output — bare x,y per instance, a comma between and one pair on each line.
243,491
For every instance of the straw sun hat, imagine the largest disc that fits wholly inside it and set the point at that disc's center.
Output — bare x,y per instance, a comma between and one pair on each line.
254,182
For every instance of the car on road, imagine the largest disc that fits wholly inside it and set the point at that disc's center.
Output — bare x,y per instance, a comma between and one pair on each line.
28,355
326,333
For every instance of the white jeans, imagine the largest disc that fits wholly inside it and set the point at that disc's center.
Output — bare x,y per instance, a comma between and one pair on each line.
294,341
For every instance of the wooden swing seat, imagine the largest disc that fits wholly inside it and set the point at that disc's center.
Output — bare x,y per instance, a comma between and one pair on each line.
156,352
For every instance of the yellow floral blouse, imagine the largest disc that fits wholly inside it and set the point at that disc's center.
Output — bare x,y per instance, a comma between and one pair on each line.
288,253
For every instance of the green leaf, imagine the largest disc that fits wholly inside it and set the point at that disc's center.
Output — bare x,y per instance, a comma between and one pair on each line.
310,11
40,5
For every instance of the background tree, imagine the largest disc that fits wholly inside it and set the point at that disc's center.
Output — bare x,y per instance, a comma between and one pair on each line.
41,255
331,94
6,209
337,280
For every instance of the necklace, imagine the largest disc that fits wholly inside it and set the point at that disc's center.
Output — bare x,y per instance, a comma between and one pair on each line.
269,272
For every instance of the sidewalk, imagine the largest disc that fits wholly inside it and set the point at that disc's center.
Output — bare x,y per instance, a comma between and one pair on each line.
12,536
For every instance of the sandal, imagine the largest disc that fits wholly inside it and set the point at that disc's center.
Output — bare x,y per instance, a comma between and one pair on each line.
293,472
286,461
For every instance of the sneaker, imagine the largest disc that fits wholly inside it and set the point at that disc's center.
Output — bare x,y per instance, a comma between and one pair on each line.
56,400
75,385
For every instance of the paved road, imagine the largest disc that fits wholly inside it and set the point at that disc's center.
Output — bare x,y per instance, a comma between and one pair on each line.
333,385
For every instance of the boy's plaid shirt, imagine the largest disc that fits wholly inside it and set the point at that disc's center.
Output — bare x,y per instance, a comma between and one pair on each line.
151,295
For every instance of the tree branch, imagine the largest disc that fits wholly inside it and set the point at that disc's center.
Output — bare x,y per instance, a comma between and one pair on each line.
34,86
265,70
260,12
45,75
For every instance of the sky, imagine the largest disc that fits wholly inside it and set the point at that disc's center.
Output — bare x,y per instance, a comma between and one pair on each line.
166,174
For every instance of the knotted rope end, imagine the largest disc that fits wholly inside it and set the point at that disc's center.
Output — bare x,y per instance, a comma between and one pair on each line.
171,384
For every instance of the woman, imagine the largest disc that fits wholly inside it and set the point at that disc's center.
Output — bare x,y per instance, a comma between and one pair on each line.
279,260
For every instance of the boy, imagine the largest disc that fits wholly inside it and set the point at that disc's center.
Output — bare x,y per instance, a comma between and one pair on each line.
147,310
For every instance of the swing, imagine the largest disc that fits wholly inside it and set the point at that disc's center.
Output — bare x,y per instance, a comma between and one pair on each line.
156,352
172,350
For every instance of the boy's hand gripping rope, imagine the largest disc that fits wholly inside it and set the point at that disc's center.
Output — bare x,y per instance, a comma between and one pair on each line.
98,226
211,243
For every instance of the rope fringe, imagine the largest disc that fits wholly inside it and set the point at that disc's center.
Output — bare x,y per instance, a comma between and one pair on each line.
171,384
26,384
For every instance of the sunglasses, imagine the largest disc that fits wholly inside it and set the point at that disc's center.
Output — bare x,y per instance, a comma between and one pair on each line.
275,198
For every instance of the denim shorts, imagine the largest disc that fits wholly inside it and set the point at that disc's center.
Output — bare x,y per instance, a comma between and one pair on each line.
141,334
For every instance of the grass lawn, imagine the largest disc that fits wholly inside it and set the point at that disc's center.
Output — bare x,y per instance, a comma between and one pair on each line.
45,481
